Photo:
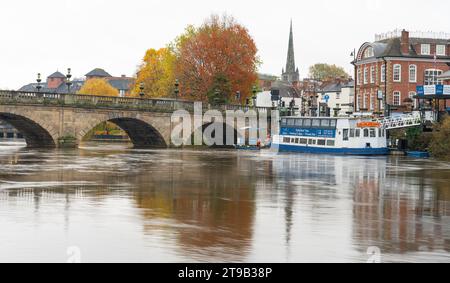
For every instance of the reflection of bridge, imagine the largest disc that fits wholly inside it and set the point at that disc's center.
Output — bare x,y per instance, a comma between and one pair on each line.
50,120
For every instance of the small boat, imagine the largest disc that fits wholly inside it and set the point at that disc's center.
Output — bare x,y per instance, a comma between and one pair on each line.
418,154
325,135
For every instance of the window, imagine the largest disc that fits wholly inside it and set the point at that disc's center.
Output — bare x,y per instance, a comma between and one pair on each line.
321,142
365,101
366,76
431,77
397,73
372,75
359,77
372,102
292,140
307,123
333,123
291,122
358,133
358,102
325,123
284,122
286,140
352,133
330,143
303,141
440,50
383,73
397,98
412,73
312,142
345,134
366,133
373,133
425,49
368,52
296,140
316,123
299,122
338,95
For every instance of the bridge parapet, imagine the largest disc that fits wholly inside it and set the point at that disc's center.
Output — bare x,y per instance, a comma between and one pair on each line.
125,103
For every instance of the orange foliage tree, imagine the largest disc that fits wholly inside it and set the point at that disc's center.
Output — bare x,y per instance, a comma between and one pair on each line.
98,87
220,49
157,73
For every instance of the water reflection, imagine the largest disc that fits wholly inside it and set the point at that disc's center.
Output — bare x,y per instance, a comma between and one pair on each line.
220,206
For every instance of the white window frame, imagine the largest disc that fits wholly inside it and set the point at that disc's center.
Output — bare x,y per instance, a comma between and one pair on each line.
425,49
365,101
397,95
435,76
397,69
372,102
366,75
441,50
359,76
372,74
412,78
383,73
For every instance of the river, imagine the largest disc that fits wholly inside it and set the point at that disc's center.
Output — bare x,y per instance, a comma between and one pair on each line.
110,203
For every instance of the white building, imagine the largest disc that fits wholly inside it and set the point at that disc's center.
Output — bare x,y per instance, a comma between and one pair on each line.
285,91
338,95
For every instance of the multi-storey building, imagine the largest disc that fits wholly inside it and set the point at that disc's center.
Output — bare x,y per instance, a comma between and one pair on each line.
388,71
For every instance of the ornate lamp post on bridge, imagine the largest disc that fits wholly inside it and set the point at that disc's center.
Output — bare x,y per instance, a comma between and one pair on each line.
39,80
177,89
68,77
141,90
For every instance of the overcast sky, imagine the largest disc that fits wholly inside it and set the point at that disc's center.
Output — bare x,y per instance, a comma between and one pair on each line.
46,35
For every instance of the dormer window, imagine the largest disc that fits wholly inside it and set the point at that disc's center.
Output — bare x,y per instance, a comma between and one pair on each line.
440,50
369,52
425,49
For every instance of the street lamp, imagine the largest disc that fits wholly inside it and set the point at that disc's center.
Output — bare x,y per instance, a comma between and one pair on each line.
68,77
39,80
177,89
255,91
141,90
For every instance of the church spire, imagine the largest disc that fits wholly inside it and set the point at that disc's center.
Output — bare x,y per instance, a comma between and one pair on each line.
291,74
290,64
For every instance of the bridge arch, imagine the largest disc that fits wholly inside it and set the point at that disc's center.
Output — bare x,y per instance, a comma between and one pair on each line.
36,132
141,133
225,128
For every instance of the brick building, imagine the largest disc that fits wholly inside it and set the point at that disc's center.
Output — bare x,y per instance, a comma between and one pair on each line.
388,71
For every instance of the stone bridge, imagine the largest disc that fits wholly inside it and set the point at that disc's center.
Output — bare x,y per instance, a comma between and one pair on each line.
58,120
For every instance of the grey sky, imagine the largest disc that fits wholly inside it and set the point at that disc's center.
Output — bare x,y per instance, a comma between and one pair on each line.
45,35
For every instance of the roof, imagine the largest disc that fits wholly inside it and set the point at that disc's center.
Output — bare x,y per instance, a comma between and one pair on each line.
267,77
286,89
121,83
57,75
75,87
98,73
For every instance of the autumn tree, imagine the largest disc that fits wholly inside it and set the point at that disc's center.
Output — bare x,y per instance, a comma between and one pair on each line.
220,49
157,73
98,87
326,71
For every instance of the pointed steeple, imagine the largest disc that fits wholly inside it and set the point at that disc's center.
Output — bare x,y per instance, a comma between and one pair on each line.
291,74
290,63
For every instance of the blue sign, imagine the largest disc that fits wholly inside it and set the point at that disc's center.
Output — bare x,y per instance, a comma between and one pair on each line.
433,90
314,133
326,97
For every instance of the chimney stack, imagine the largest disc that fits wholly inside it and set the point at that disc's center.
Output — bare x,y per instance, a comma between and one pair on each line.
405,42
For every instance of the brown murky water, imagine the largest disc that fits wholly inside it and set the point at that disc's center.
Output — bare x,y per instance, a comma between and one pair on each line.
115,204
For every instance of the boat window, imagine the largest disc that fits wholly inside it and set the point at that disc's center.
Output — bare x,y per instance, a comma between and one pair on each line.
283,121
333,123
380,132
321,142
316,123
303,141
358,133
352,133
291,122
326,123
299,122
296,140
292,140
312,142
366,133
373,133
345,134
330,142
307,123
286,140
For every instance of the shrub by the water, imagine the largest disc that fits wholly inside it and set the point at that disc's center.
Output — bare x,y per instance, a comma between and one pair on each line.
440,143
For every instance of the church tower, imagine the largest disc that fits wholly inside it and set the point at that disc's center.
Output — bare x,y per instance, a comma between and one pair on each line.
290,74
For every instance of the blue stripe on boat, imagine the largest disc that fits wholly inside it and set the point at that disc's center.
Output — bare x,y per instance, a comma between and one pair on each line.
331,150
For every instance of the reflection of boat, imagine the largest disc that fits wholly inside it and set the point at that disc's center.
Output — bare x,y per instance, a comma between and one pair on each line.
345,136
418,154
247,147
